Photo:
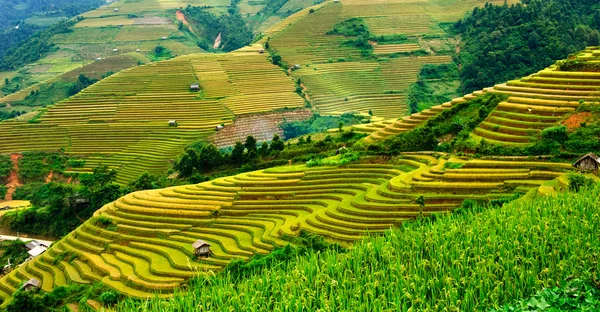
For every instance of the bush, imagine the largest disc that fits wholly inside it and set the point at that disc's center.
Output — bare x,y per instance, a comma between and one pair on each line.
579,181
109,298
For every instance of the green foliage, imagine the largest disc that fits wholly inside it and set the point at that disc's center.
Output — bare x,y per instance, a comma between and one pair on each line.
342,160
232,28
82,83
352,27
59,297
317,123
557,134
34,48
578,181
451,165
14,250
420,259
35,166
3,191
424,94
570,295
500,43
6,167
160,53
147,181
109,298
305,242
59,208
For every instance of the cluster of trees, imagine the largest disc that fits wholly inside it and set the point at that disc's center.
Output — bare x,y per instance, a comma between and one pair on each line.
13,12
422,95
456,122
232,28
35,47
9,115
501,43
202,158
59,208
82,82
317,123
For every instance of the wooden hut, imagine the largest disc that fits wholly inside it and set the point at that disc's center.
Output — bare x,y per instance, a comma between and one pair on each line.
261,51
201,248
219,127
195,87
173,123
31,284
589,162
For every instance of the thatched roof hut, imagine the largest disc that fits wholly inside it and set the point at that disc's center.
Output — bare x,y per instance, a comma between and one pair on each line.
588,162
201,248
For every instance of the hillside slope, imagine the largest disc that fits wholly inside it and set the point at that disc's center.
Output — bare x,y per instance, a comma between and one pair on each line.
142,243
475,261
122,121
535,102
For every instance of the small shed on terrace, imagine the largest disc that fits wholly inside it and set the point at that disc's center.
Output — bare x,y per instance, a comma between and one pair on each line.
589,162
173,123
201,248
195,87
31,284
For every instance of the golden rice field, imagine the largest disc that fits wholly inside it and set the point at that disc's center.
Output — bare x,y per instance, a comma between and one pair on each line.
141,244
122,121
535,102
337,77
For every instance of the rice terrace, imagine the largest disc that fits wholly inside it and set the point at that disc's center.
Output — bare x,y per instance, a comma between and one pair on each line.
300,155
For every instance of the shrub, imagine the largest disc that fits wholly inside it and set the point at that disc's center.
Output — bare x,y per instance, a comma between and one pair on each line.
108,298
578,181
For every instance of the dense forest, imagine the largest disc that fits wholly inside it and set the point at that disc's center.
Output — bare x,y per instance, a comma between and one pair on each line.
13,11
230,27
501,43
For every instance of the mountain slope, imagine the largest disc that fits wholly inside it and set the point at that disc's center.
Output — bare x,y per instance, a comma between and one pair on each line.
141,244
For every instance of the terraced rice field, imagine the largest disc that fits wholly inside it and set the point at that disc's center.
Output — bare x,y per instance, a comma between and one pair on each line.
338,78
148,249
122,121
536,102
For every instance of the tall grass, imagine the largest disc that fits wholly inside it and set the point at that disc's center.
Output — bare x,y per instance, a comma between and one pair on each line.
480,259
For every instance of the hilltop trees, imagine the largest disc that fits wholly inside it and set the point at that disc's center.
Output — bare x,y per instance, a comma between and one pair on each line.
500,43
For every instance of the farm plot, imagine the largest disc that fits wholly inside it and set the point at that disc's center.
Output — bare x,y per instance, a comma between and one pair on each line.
535,102
147,250
122,121
381,87
338,77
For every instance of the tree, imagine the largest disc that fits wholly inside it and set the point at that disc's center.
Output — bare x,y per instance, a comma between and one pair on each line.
145,181
264,149
250,144
277,144
340,126
159,50
99,187
186,164
370,112
421,202
237,154
209,158
25,301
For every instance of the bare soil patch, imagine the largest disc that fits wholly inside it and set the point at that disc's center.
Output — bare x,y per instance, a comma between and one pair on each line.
13,178
574,121
262,127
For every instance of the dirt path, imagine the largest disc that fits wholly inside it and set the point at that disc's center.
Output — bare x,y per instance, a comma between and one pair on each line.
50,176
181,18
13,178
217,42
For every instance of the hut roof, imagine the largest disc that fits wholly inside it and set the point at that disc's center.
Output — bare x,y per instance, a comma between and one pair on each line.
33,282
199,243
590,155
195,86
36,251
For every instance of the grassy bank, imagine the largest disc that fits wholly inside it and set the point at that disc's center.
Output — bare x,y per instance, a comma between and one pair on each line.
472,260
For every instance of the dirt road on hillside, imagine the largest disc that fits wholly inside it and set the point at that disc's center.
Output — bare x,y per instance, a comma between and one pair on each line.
13,178
181,18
